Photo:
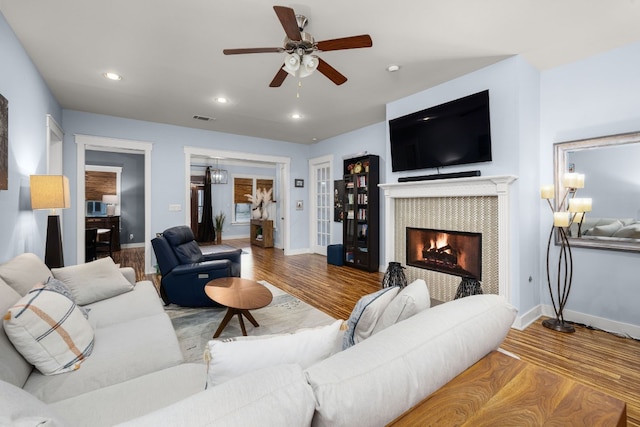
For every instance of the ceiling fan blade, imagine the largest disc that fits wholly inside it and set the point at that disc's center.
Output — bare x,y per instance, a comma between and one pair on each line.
287,18
330,72
353,42
252,50
279,78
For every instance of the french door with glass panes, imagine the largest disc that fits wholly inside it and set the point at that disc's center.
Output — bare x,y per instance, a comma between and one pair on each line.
321,204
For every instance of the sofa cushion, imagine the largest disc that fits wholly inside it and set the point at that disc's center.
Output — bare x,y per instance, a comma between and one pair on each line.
142,301
409,301
49,331
93,281
365,315
375,381
23,272
122,351
276,396
604,230
133,398
20,408
13,367
233,357
184,245
630,231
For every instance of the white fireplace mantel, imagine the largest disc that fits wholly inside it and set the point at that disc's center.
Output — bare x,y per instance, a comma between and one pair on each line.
498,186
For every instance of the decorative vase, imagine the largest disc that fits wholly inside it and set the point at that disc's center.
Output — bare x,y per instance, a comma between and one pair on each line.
218,237
394,276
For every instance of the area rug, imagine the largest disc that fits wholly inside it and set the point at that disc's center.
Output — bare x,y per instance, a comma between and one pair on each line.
195,326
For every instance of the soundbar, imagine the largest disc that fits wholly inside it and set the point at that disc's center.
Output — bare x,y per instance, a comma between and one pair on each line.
466,174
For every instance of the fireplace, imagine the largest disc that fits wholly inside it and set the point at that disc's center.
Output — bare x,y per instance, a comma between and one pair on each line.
457,253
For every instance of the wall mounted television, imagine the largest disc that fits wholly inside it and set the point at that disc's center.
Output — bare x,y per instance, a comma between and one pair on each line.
455,133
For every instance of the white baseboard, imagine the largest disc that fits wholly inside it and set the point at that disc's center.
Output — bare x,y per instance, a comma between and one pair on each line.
614,326
522,322
298,251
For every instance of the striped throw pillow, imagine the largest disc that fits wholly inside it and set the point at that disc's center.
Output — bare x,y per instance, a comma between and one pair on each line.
49,331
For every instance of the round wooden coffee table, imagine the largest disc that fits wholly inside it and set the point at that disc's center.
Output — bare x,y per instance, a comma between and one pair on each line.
239,296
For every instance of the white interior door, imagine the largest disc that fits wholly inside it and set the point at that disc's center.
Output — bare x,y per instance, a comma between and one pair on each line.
321,198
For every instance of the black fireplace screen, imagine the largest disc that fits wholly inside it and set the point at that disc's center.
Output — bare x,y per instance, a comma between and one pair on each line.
453,252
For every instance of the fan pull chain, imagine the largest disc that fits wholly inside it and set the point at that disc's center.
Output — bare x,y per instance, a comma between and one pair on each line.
299,86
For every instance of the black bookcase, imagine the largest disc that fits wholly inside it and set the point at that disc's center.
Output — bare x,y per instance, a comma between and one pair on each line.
361,226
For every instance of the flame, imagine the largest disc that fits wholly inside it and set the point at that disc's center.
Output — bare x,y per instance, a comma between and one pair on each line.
439,242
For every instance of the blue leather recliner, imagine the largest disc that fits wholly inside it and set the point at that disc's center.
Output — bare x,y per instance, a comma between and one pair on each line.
186,270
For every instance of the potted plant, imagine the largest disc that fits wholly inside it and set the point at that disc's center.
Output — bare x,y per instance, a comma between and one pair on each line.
219,224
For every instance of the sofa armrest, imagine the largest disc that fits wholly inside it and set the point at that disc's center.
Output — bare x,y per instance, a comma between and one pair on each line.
129,274
201,267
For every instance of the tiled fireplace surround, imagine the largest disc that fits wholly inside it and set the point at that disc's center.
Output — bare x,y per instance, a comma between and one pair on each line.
477,204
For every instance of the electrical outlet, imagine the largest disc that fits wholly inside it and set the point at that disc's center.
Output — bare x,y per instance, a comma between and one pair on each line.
175,208
131,236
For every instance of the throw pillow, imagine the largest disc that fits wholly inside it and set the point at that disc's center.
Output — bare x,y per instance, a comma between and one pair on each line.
365,315
20,408
49,331
93,281
24,271
233,357
55,285
411,300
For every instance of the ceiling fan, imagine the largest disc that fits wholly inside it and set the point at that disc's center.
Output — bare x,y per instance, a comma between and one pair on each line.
300,47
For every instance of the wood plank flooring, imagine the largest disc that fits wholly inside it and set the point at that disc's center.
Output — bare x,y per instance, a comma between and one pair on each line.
595,358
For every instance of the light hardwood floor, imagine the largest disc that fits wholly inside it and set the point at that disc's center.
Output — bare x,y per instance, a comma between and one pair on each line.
595,358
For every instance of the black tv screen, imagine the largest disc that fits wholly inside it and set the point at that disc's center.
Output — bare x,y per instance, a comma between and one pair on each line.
457,132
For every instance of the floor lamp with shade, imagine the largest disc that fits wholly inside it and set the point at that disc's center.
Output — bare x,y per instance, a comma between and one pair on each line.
51,192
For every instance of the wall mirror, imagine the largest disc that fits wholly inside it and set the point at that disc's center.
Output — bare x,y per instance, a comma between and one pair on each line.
612,180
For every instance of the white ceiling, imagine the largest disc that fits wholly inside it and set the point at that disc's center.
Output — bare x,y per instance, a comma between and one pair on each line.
170,54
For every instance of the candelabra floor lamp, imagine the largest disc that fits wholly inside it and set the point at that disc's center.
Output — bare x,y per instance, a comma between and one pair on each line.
51,192
562,221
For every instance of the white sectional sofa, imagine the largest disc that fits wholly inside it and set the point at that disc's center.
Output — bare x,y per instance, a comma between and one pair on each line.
135,374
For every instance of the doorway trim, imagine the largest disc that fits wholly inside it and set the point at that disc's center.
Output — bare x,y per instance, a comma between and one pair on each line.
99,143
282,164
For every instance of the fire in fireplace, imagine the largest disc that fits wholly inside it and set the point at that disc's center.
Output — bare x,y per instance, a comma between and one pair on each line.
453,252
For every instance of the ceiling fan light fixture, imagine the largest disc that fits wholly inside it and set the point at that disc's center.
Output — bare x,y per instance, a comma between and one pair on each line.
309,64
291,63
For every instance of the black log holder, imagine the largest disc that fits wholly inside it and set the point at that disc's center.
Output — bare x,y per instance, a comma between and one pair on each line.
468,286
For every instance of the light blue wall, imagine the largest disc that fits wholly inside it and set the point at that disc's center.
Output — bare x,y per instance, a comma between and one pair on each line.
167,164
594,97
21,229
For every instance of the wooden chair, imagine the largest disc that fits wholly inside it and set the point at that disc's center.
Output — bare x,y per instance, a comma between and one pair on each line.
90,248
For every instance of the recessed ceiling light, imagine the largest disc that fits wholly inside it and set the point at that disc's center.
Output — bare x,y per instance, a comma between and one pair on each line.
296,116
222,100
112,76
393,68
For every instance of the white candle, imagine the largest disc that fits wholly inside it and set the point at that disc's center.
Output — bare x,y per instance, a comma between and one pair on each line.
587,204
570,180
561,219
579,180
575,205
547,192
